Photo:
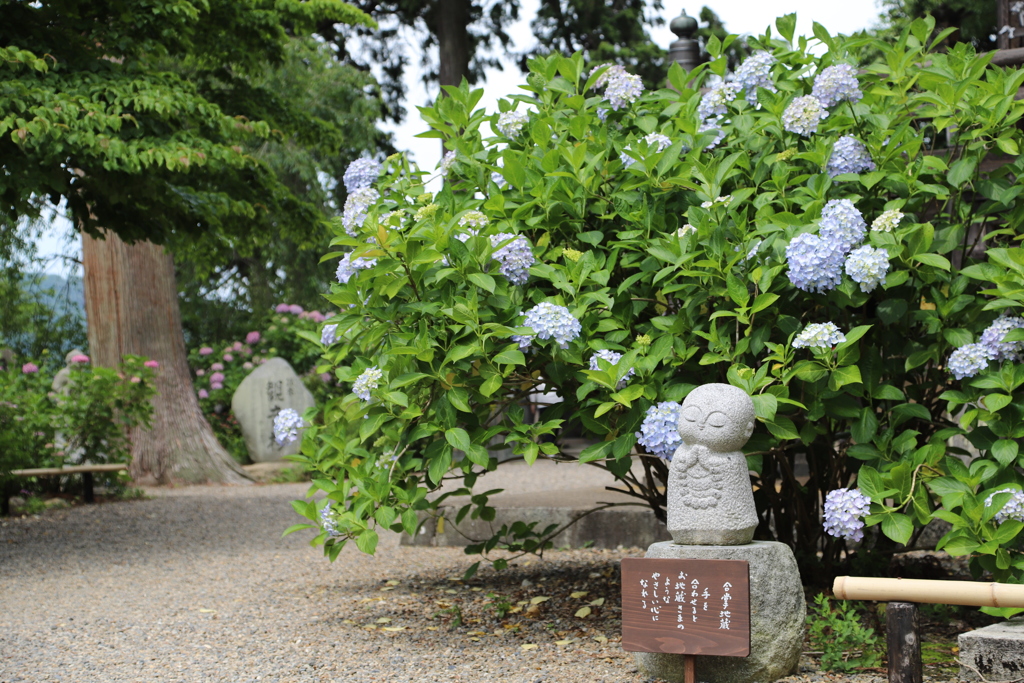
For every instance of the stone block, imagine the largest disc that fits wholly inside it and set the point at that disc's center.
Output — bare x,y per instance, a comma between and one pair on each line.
993,653
777,616
265,392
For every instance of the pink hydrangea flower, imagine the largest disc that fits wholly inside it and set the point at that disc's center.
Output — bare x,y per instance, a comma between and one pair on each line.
205,351
217,366
295,309
216,378
151,364
200,373
79,358
252,338
30,368
135,380
317,317
325,377
247,365
228,358
203,393
281,308
216,385
237,346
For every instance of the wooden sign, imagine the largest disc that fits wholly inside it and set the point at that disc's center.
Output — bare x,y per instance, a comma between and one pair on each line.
691,607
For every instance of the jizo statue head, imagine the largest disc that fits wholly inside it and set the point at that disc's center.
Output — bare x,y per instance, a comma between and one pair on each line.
718,416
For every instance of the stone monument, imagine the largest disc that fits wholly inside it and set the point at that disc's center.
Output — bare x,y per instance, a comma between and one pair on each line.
711,516
265,392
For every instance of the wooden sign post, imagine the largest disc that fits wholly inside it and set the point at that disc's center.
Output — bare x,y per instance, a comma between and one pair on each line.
686,607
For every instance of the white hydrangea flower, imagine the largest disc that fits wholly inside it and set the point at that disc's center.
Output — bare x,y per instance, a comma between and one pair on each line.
887,221
549,321
287,424
867,267
803,115
366,382
510,123
819,336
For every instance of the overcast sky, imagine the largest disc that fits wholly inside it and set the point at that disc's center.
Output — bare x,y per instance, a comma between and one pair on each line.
740,16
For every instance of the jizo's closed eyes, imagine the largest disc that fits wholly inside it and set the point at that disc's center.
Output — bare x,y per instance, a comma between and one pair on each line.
715,418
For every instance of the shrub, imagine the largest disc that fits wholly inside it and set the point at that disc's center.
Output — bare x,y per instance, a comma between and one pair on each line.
835,630
679,238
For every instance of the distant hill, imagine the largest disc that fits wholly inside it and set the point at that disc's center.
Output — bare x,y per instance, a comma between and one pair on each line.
63,295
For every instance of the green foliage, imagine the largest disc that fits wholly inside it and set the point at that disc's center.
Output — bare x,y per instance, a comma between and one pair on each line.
835,631
974,20
709,303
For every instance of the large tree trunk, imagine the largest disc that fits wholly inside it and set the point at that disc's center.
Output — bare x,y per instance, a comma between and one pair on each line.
131,305
452,40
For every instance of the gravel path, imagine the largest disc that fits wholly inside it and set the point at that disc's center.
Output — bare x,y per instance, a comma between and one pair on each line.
197,584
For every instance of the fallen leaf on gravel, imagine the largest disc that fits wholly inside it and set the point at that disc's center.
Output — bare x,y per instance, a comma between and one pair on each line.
476,588
578,594
499,632
534,609
601,639
393,582
539,599
516,610
583,612
393,628
370,627
388,588
452,591
564,642
596,603
477,633
347,621
207,611
432,628
528,646
384,620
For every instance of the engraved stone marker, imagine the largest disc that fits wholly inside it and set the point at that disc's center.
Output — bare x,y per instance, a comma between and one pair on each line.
692,607
266,391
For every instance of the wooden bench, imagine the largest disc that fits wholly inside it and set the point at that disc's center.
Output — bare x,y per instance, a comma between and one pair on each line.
902,596
85,470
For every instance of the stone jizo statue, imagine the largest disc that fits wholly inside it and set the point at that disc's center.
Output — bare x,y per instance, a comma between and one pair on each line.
710,500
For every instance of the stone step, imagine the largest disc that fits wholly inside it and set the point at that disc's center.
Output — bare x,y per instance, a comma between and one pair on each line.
993,653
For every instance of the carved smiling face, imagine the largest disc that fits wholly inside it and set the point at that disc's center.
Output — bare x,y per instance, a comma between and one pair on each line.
719,416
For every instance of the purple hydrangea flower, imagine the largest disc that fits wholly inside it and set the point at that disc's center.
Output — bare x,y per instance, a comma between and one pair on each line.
842,224
621,88
367,381
515,257
360,174
819,336
348,266
836,84
715,102
969,360
815,264
659,432
713,124
803,115
662,141
252,338
329,335
1012,509
993,335
549,321
511,123
867,267
755,72
327,522
286,426
844,513
849,155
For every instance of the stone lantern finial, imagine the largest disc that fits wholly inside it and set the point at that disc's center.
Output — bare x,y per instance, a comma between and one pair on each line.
685,51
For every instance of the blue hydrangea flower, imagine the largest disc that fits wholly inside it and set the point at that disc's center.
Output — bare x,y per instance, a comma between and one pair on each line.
327,522
803,115
287,424
550,322
713,124
969,360
621,88
612,357
842,224
836,84
348,266
613,72
602,114
715,102
819,336
360,174
497,178
844,513
993,335
659,432
366,382
329,335
815,265
515,257
662,141
849,155
447,162
867,267
511,123
755,72
887,221
356,206
1012,509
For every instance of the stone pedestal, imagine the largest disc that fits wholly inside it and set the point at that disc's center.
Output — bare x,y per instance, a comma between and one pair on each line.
265,392
777,616
993,653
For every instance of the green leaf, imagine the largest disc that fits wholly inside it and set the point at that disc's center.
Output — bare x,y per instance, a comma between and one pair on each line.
842,376
787,26
483,281
511,355
410,521
934,260
782,428
478,455
298,527
763,301
996,402
1005,451
737,290
629,394
367,541
458,438
439,465
898,527
765,405
459,398
597,451
961,171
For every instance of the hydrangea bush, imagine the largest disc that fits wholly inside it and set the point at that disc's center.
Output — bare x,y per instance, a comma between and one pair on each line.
739,252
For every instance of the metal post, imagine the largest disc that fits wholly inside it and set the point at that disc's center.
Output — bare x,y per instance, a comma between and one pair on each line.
685,51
